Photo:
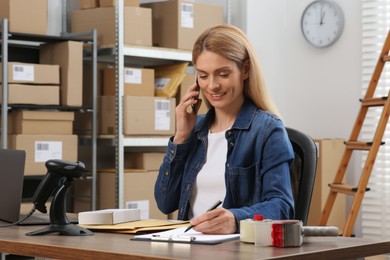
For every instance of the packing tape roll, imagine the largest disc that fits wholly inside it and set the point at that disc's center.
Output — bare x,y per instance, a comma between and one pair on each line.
247,231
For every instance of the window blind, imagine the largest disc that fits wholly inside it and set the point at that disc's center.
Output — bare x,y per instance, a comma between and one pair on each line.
375,209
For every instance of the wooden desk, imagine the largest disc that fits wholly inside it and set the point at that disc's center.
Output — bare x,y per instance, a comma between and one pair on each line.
118,246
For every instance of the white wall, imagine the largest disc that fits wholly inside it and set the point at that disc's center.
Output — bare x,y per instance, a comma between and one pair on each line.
316,90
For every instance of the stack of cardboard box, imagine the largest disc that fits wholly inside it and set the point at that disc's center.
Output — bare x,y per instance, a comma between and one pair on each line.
36,84
54,79
43,135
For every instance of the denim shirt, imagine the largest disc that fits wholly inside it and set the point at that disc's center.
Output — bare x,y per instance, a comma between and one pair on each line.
257,175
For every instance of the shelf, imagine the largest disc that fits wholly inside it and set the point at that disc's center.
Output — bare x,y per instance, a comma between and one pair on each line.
32,42
145,56
36,38
136,141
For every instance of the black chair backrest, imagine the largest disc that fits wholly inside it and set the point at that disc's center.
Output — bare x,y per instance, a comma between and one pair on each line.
302,171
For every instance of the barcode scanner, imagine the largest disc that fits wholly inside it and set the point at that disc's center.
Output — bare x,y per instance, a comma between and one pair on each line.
58,171
56,182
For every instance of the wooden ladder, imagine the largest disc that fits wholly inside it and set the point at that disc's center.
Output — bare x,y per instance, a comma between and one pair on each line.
353,144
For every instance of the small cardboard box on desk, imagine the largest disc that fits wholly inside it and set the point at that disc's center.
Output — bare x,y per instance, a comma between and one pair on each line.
108,216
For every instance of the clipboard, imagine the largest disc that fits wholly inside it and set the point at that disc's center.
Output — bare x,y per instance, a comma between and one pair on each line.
178,235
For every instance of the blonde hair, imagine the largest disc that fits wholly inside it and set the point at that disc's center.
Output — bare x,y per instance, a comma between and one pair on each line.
232,43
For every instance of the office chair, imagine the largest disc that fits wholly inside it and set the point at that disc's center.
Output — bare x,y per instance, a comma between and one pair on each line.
302,172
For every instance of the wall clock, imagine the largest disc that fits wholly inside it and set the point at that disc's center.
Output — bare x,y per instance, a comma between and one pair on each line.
322,23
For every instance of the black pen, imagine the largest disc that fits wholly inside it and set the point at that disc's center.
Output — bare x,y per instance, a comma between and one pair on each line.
219,202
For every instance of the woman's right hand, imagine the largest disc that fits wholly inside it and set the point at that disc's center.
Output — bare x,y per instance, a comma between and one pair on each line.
185,118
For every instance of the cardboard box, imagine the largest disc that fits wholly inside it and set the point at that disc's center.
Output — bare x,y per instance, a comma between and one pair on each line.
69,56
33,94
148,161
82,195
110,3
108,216
142,115
40,148
137,25
29,73
138,185
187,81
136,82
40,122
88,4
177,23
25,16
330,154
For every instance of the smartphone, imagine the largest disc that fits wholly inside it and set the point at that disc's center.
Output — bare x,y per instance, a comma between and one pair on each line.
196,97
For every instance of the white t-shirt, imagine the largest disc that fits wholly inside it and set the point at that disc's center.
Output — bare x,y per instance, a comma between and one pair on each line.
210,182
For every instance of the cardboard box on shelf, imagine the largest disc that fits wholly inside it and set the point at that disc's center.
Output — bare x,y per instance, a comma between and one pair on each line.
141,115
82,123
29,73
136,82
88,4
25,16
40,148
69,56
177,23
33,94
82,194
40,122
138,186
110,3
137,25
148,161
88,83
330,154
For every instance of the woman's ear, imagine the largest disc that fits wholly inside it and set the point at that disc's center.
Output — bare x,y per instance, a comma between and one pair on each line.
245,70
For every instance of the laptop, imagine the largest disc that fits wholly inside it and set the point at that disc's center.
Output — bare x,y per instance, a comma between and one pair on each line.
11,187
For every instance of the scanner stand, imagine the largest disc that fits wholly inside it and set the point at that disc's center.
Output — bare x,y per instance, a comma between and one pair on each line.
58,219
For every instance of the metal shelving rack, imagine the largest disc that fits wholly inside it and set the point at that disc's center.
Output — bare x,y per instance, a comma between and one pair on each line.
21,39
135,56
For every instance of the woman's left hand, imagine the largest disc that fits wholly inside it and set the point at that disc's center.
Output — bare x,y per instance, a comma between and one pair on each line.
217,221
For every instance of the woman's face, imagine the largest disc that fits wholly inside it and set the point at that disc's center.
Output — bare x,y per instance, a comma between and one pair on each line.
221,81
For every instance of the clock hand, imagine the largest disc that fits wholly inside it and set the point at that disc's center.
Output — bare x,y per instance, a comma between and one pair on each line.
322,18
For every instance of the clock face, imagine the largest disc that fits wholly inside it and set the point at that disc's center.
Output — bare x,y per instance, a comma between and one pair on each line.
322,23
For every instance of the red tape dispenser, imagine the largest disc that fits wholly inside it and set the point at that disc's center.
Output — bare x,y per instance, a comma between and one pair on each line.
288,233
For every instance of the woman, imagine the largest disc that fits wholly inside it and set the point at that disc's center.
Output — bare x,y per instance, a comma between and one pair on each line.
239,152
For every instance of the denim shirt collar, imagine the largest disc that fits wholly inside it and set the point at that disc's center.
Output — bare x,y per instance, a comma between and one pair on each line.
243,120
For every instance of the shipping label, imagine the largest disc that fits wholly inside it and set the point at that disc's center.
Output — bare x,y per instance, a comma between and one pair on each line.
23,72
162,117
133,76
48,150
187,15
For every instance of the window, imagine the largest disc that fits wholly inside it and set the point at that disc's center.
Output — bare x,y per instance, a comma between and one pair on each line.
375,209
